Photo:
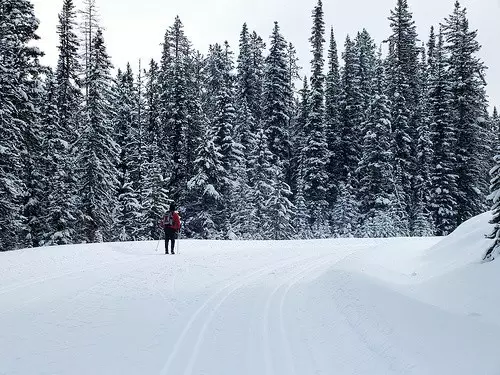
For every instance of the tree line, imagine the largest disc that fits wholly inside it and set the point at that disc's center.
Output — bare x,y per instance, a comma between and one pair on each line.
372,143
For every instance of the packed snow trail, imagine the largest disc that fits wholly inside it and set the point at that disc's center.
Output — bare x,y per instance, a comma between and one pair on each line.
273,308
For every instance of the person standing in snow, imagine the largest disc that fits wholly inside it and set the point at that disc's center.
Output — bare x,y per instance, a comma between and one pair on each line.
171,224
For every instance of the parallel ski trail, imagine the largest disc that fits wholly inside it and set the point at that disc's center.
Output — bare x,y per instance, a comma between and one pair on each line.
306,270
234,285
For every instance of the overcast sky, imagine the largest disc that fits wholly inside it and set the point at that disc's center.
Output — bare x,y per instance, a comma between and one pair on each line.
134,29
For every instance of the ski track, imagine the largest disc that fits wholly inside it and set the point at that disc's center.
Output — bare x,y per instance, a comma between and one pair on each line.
355,318
292,283
291,280
233,285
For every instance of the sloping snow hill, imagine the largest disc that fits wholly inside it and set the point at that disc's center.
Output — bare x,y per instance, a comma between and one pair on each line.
344,306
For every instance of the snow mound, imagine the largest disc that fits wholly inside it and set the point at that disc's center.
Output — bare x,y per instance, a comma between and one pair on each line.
466,245
454,277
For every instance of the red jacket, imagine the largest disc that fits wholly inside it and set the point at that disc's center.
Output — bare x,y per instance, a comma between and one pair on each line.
176,222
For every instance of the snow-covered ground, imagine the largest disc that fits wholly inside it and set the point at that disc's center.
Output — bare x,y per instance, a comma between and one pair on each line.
360,306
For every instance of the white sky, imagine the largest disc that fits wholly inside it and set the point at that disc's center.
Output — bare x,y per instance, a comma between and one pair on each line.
135,28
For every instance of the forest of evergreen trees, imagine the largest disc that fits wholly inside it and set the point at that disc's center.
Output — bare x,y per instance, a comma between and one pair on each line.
389,139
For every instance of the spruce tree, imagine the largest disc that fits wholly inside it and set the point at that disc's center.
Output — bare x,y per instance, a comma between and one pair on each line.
264,187
316,148
35,180
293,73
205,186
298,163
346,211
89,26
156,200
248,93
375,171
69,97
63,185
277,99
281,211
402,64
366,50
60,199
195,109
127,139
443,199
19,95
333,91
97,159
424,144
347,152
257,47
175,78
468,111
301,220
221,112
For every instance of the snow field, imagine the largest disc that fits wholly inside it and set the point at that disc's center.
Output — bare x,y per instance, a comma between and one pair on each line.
340,306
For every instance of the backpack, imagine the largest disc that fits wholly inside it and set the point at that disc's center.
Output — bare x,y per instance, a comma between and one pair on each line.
169,219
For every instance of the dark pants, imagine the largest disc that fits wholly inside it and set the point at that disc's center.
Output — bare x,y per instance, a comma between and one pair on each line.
170,235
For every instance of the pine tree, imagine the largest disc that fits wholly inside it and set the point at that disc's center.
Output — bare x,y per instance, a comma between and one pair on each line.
277,99
443,199
63,185
402,63
281,211
89,27
248,93
69,97
468,111
316,148
298,135
257,47
301,220
175,78
98,155
366,50
35,181
220,107
345,211
156,200
347,148
205,186
293,128
61,204
259,219
424,144
195,109
141,157
19,95
333,93
127,138
376,187
221,112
